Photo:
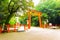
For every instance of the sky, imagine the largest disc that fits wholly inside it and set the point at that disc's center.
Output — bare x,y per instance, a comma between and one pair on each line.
36,2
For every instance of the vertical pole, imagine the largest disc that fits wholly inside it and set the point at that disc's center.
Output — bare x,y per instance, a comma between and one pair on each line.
24,27
14,27
29,20
0,29
46,25
40,21
17,24
8,27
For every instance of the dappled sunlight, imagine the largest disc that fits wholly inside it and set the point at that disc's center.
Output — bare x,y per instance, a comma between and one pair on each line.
36,2
19,19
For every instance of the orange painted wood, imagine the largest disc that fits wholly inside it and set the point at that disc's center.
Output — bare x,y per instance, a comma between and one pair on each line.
17,24
40,21
29,26
36,14
24,27
42,25
0,29
45,25
8,27
29,20
14,27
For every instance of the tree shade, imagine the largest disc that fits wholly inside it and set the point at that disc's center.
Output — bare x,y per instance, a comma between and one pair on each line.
50,8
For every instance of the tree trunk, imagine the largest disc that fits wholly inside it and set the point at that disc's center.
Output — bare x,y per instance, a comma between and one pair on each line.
7,21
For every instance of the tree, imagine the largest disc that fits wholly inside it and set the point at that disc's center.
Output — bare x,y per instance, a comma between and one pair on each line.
3,11
10,7
51,8
15,5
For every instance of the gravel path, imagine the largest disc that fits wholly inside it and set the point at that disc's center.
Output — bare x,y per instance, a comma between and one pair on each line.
32,34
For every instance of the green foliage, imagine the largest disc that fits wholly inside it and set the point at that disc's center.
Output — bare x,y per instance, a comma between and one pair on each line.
8,8
3,11
23,19
34,21
50,8
12,21
44,17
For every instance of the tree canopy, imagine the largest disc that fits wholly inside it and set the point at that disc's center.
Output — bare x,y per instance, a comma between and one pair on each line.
50,8
9,9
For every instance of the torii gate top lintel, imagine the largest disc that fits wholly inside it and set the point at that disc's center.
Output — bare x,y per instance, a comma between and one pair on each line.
35,12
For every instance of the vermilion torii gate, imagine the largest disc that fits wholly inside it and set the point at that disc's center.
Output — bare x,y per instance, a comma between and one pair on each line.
35,13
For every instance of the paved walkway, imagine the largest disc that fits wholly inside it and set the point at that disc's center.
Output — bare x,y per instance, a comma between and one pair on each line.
32,34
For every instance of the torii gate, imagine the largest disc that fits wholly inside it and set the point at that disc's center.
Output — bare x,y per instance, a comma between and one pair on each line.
36,13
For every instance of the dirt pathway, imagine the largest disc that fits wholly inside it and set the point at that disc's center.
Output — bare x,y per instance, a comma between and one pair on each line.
32,34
